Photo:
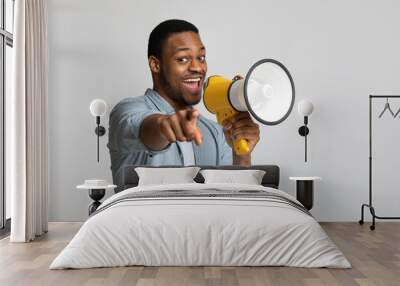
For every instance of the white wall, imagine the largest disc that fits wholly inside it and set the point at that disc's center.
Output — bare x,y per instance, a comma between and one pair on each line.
338,52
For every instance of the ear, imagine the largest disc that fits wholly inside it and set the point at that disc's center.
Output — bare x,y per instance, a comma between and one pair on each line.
154,64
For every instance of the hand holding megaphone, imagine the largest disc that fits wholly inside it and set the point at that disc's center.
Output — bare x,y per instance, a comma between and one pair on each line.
181,126
241,132
241,128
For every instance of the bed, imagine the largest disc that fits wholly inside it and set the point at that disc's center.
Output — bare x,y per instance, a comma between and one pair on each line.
201,224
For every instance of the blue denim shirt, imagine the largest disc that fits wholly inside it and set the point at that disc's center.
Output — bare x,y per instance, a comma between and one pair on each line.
127,149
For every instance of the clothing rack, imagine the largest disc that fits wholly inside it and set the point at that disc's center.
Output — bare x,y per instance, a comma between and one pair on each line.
369,205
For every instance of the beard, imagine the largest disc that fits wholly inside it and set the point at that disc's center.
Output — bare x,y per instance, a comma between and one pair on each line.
175,94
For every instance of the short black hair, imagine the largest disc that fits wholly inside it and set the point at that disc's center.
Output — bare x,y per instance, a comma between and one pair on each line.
162,31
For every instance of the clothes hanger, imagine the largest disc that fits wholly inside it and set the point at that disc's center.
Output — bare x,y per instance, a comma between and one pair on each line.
398,111
387,106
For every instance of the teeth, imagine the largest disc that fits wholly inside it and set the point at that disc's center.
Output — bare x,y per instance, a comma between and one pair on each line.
192,80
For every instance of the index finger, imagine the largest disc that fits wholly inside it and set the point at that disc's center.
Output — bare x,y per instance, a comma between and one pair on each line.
189,124
192,114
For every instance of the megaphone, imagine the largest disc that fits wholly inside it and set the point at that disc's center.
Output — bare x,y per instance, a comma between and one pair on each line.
267,92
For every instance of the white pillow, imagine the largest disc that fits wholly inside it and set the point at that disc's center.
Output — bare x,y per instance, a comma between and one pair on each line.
249,177
162,176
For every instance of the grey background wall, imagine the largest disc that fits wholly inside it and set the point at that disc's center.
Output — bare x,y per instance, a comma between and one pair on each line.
338,52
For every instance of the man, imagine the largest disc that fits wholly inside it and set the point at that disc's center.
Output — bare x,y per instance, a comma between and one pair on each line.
161,127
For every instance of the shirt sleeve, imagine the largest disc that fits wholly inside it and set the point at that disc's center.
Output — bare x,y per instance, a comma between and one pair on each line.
225,151
125,121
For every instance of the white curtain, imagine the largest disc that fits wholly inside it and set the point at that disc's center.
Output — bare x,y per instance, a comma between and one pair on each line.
26,123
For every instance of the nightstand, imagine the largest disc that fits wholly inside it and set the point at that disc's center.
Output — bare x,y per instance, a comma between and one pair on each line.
97,190
305,190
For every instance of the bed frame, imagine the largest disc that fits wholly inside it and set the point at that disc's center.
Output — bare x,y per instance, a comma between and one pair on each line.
271,178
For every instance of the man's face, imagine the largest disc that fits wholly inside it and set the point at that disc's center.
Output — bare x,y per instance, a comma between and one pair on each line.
183,68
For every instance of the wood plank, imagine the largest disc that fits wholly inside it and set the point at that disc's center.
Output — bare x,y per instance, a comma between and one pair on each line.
374,255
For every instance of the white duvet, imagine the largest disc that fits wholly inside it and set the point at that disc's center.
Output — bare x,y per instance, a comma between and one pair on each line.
176,231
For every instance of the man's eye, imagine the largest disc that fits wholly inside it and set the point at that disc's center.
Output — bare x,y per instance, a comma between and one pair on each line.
183,60
202,58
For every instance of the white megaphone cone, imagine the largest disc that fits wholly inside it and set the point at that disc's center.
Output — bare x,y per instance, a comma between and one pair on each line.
267,92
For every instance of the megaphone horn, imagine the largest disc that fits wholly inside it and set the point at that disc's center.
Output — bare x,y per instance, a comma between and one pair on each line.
267,92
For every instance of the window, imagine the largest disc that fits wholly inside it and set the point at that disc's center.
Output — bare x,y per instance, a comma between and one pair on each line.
6,44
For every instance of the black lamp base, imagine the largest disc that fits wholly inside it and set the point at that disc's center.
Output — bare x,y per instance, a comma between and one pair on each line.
96,195
305,193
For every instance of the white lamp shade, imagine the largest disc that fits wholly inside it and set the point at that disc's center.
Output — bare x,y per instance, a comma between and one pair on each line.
305,107
98,107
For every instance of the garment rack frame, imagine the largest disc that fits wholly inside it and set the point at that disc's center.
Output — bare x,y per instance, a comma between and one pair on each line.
370,205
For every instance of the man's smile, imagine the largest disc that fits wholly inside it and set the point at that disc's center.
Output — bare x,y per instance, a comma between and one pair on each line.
193,84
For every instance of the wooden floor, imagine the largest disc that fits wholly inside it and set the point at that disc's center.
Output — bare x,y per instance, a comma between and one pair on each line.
374,255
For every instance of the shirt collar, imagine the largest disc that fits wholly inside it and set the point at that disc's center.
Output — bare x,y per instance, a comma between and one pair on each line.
159,101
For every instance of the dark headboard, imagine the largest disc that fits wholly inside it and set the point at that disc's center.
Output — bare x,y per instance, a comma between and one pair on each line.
271,178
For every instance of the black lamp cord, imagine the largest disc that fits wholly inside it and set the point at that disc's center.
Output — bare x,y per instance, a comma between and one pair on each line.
98,136
305,139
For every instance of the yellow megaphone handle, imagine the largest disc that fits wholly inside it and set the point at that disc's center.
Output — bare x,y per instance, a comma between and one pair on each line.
241,146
